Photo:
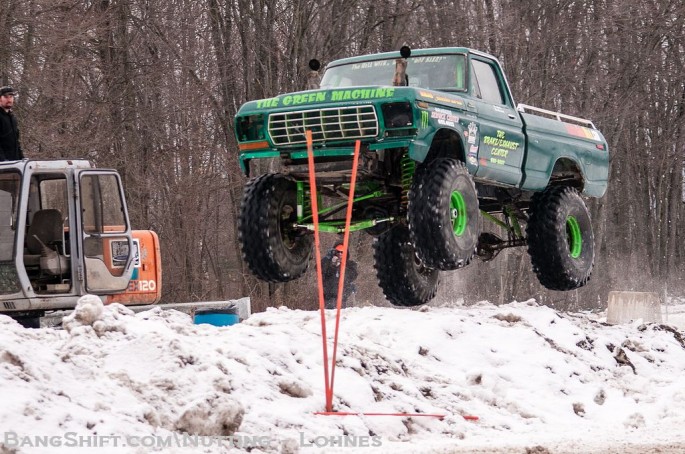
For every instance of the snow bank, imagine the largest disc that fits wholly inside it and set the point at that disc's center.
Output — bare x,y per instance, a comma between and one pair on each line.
532,376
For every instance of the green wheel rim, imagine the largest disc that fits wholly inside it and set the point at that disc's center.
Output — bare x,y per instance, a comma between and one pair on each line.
458,213
573,236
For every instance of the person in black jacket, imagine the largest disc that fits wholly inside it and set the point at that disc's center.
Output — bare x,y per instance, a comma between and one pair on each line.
330,269
10,148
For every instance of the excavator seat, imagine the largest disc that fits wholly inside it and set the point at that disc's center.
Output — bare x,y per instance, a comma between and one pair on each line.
44,237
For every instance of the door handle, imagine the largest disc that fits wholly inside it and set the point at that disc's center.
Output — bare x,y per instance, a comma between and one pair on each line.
512,116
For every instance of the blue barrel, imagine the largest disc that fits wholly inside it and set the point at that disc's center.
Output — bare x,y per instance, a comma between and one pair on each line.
217,317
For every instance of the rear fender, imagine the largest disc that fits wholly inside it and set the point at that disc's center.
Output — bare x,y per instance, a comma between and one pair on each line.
569,172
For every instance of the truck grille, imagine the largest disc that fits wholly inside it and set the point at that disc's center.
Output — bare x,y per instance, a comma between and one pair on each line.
338,123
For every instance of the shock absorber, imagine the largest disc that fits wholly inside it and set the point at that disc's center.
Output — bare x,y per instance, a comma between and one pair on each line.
408,169
304,201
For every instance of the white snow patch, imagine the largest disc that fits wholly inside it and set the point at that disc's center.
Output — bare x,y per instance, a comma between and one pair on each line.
534,377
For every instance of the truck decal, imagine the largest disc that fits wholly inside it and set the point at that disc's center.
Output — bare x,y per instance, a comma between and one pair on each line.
500,147
346,95
326,96
455,101
427,95
445,117
583,132
424,119
472,139
500,141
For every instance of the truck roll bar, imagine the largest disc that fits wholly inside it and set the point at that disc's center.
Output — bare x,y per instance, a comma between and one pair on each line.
556,115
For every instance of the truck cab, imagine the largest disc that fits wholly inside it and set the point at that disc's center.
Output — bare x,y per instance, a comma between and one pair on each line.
65,232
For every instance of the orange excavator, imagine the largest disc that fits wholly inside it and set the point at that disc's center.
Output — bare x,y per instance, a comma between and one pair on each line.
64,233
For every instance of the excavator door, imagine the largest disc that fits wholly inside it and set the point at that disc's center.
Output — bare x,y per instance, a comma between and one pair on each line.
105,230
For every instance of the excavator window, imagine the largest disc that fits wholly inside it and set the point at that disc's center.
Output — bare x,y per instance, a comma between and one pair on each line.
47,247
106,233
10,184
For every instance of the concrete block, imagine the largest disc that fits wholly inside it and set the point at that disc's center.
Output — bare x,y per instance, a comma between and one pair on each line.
625,307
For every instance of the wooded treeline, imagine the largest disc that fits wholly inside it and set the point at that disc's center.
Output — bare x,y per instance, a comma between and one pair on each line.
150,87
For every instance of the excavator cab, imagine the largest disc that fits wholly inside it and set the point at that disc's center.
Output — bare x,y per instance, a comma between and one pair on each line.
64,233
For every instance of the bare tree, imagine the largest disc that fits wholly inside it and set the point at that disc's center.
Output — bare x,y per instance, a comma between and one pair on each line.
151,88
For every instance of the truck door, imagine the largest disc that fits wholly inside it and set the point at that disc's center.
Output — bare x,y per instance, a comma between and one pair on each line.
499,131
105,232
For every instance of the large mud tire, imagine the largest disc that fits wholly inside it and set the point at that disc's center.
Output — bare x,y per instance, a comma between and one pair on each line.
404,279
444,218
560,239
272,248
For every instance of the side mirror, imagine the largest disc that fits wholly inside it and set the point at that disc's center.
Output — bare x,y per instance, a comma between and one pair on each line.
313,79
400,79
314,64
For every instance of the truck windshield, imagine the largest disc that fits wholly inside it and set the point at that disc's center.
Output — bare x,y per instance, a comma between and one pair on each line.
437,72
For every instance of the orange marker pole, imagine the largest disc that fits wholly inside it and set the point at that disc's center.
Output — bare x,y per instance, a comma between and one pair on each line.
343,263
319,276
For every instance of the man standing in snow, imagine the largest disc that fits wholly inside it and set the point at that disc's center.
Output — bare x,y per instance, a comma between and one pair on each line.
10,148
330,269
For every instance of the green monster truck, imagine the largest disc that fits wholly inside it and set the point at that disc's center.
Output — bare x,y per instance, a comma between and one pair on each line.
443,148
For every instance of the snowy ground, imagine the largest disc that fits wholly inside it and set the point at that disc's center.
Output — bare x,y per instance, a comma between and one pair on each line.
539,382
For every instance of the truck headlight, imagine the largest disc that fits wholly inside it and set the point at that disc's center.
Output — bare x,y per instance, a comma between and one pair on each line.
250,127
397,115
